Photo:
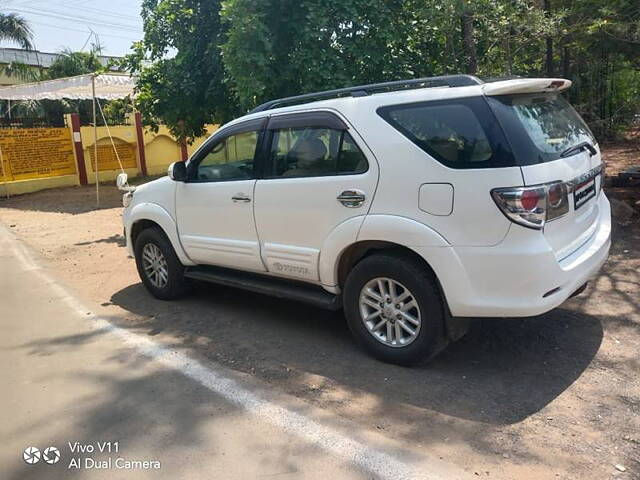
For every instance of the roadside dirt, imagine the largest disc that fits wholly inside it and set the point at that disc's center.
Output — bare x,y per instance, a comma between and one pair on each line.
555,396
622,155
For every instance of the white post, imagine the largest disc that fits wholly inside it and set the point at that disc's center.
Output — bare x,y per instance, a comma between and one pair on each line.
95,139
4,177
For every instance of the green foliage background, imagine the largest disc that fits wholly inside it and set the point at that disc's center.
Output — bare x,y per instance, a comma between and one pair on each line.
182,78
207,61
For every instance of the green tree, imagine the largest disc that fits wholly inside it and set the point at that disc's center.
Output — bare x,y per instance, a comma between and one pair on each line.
275,48
204,61
15,28
21,71
179,64
70,63
278,47
601,54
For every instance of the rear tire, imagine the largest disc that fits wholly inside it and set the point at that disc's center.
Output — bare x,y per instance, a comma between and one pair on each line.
394,309
158,265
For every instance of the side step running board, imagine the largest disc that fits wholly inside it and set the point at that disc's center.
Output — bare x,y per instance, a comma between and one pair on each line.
272,286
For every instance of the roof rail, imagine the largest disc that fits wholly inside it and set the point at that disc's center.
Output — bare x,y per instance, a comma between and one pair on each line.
364,90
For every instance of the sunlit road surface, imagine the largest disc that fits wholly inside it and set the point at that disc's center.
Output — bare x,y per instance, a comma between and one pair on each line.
116,405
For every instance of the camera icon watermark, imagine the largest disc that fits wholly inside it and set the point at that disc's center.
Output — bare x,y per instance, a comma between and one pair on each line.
32,455
51,455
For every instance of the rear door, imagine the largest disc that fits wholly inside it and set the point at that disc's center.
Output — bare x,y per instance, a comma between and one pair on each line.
316,177
449,190
552,143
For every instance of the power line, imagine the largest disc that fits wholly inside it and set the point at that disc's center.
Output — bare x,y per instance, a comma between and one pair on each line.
74,6
60,27
60,19
97,11
116,26
78,18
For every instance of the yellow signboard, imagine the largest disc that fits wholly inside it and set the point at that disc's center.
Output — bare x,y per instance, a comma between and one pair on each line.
36,152
107,159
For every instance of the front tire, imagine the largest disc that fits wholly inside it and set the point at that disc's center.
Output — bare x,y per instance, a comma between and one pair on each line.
394,309
158,265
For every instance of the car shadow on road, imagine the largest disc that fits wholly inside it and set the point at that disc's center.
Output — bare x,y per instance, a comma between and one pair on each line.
501,372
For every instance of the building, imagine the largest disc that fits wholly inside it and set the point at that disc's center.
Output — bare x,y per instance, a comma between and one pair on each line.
33,58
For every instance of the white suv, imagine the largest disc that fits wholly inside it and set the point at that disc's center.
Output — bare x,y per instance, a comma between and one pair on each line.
412,205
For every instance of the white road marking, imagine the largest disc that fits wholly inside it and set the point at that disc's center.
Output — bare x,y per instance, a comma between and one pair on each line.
375,461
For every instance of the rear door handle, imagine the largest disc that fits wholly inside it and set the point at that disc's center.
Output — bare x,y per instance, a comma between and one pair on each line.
352,198
240,197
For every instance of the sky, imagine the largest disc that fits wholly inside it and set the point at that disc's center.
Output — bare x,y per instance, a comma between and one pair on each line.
60,24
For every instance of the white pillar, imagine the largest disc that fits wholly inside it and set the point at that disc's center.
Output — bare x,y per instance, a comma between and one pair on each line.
95,140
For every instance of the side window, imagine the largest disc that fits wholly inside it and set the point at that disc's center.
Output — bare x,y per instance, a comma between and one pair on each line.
229,159
313,152
459,133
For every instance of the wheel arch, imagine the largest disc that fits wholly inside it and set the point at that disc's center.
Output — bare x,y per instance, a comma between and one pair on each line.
140,225
357,251
148,215
453,327
383,229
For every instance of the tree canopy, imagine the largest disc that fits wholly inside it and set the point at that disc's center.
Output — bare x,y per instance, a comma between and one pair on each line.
69,63
207,61
182,80
15,29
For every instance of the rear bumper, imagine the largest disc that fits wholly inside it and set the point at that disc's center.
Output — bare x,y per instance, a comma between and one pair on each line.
512,278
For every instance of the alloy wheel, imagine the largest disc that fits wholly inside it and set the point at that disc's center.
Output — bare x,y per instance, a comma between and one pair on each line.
390,312
155,265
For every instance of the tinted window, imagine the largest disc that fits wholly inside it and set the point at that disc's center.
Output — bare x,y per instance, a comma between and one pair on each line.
230,159
544,125
313,151
460,133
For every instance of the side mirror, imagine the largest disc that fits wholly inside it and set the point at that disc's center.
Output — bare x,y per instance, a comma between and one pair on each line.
177,171
122,182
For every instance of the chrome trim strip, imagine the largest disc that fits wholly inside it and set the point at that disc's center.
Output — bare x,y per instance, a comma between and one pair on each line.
580,179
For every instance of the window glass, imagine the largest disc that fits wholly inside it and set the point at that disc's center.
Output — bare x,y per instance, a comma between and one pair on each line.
551,123
230,159
351,158
541,127
313,151
451,133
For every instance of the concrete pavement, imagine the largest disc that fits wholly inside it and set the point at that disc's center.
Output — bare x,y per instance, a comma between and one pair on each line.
73,381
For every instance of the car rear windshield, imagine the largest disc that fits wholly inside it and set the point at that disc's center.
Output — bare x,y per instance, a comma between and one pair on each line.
540,127
459,133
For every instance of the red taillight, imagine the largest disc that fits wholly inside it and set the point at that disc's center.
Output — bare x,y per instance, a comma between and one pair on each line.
557,200
533,206
555,194
529,199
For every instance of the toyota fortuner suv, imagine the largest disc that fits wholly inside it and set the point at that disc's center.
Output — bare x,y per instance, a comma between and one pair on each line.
410,205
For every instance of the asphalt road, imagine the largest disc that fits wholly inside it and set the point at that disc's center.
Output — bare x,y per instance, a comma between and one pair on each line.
109,398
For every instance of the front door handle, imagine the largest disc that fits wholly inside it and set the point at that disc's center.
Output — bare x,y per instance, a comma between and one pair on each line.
241,197
351,198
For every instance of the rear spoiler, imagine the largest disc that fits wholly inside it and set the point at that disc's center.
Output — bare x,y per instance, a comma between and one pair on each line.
526,85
